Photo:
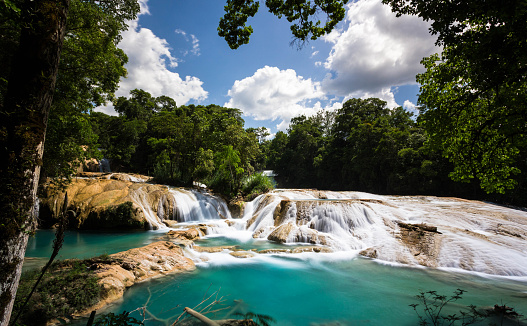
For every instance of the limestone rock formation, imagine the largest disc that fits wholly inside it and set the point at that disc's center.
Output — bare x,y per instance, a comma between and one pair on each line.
126,268
109,201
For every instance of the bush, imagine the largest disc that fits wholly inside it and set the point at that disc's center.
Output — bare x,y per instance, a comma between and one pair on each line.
68,286
121,319
255,185
433,305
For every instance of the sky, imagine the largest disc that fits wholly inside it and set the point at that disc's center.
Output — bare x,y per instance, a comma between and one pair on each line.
174,49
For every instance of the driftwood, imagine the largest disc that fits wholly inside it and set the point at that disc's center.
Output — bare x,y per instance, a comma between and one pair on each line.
204,319
210,322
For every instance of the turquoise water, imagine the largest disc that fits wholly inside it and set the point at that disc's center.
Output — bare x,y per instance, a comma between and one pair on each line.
305,289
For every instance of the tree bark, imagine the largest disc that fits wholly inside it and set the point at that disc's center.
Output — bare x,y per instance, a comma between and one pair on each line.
23,121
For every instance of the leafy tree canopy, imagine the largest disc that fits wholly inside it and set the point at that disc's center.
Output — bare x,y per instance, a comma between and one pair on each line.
473,95
303,14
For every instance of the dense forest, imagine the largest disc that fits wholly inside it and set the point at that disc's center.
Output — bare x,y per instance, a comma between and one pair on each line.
364,146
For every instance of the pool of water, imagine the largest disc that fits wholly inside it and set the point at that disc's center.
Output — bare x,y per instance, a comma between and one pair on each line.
304,289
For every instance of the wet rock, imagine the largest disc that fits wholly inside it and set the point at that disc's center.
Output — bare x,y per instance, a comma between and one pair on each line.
242,254
106,203
170,223
281,233
213,249
312,249
191,234
423,241
236,208
369,252
126,268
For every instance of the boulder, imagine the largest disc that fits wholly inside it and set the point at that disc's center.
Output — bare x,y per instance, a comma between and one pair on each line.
191,234
104,202
242,254
281,233
369,252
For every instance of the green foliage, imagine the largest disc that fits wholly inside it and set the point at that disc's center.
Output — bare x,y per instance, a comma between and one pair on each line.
481,132
90,68
122,319
180,145
256,184
363,146
227,177
232,26
250,319
473,95
433,311
70,141
67,287
303,14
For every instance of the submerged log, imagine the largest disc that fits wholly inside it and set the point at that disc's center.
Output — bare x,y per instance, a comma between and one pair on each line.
223,322
200,317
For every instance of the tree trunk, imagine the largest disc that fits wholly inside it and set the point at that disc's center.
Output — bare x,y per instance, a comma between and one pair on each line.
23,121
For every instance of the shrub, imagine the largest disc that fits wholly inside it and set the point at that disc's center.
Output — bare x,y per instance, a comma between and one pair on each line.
255,185
433,304
68,286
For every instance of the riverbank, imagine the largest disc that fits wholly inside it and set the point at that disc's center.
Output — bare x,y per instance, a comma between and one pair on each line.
92,284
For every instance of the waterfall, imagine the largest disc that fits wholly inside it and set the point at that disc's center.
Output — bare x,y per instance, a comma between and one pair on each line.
411,230
470,235
192,206
104,165
140,196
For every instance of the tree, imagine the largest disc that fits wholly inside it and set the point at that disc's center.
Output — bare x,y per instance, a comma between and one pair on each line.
303,13
24,117
27,101
90,68
24,114
473,95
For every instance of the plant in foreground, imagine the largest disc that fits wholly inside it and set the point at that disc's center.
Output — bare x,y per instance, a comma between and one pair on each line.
433,305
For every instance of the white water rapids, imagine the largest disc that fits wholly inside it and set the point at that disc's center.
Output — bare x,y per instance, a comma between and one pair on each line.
472,235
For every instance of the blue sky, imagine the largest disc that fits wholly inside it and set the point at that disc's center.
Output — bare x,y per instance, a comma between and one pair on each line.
174,50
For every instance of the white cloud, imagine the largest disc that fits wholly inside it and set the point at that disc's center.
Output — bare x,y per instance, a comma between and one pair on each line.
143,5
274,94
410,107
384,94
314,54
375,50
149,63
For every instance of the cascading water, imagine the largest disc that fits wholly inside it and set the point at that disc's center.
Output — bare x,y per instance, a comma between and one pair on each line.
140,198
470,235
473,236
195,206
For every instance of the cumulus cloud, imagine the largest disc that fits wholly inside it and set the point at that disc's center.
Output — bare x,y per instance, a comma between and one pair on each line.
274,94
375,50
384,94
149,67
411,107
